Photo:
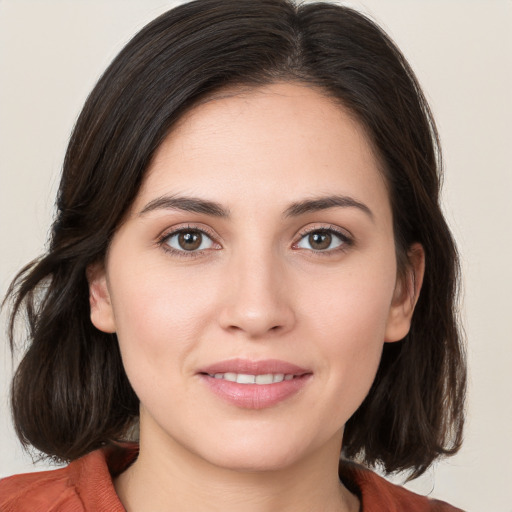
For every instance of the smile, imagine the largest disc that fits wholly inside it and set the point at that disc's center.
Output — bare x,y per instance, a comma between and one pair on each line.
245,378
250,384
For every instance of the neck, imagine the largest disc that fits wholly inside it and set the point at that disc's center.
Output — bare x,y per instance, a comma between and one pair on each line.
166,476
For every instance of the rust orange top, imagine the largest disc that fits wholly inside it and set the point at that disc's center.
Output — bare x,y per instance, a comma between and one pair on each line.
86,485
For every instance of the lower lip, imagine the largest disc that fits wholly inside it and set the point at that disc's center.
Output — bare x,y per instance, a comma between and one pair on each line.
255,396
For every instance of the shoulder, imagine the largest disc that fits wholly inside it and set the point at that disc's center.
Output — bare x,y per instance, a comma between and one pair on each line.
43,491
85,484
377,494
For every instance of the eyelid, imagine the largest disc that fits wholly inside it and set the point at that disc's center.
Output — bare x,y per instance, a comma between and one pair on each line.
342,234
345,236
174,230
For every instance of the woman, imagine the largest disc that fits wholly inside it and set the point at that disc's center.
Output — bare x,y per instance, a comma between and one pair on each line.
249,273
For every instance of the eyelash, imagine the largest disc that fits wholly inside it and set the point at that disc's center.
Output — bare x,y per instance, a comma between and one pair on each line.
346,240
162,241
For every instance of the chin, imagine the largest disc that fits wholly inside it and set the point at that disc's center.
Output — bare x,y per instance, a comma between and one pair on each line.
255,461
255,453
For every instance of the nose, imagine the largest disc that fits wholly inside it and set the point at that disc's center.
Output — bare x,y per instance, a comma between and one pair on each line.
257,297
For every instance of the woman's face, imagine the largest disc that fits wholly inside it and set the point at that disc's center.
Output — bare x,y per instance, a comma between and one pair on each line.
254,282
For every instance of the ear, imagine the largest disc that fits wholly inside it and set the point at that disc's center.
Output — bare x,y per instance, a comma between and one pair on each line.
102,313
405,297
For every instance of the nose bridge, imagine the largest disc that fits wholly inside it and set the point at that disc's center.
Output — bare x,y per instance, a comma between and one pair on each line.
257,299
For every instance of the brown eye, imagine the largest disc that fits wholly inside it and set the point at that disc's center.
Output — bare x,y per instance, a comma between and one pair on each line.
323,240
320,240
188,240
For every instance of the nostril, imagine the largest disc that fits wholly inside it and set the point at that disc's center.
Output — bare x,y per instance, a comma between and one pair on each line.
256,320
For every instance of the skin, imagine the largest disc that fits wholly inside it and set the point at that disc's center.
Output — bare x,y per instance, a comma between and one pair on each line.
257,289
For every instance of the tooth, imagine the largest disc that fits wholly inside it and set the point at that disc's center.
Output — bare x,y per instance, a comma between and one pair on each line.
243,378
268,378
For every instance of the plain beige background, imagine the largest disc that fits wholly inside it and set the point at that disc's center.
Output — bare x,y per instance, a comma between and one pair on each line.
51,54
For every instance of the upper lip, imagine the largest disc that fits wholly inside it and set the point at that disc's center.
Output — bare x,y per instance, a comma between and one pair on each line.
250,367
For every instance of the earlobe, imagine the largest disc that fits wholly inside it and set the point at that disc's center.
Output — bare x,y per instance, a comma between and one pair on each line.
102,313
406,295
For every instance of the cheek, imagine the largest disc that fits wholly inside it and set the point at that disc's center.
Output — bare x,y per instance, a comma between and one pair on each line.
352,337
156,306
353,303
348,320
162,316
157,321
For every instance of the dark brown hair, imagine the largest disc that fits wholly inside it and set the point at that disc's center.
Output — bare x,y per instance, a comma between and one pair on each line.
70,393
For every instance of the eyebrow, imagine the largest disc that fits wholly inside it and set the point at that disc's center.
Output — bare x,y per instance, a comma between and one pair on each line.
187,204
324,203
214,209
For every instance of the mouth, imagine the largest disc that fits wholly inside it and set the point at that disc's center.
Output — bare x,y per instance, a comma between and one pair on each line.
231,369
255,384
246,378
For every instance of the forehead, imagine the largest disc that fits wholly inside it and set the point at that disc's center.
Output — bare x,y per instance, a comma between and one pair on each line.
279,142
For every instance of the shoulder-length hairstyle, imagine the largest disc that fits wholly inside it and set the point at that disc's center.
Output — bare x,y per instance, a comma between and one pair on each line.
70,393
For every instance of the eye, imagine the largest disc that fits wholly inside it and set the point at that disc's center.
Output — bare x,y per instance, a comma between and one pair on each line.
187,240
323,240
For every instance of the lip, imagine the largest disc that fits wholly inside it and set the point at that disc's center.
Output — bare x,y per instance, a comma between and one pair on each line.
255,396
254,367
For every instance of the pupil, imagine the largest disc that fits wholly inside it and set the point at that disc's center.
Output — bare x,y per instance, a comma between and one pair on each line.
189,240
320,240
